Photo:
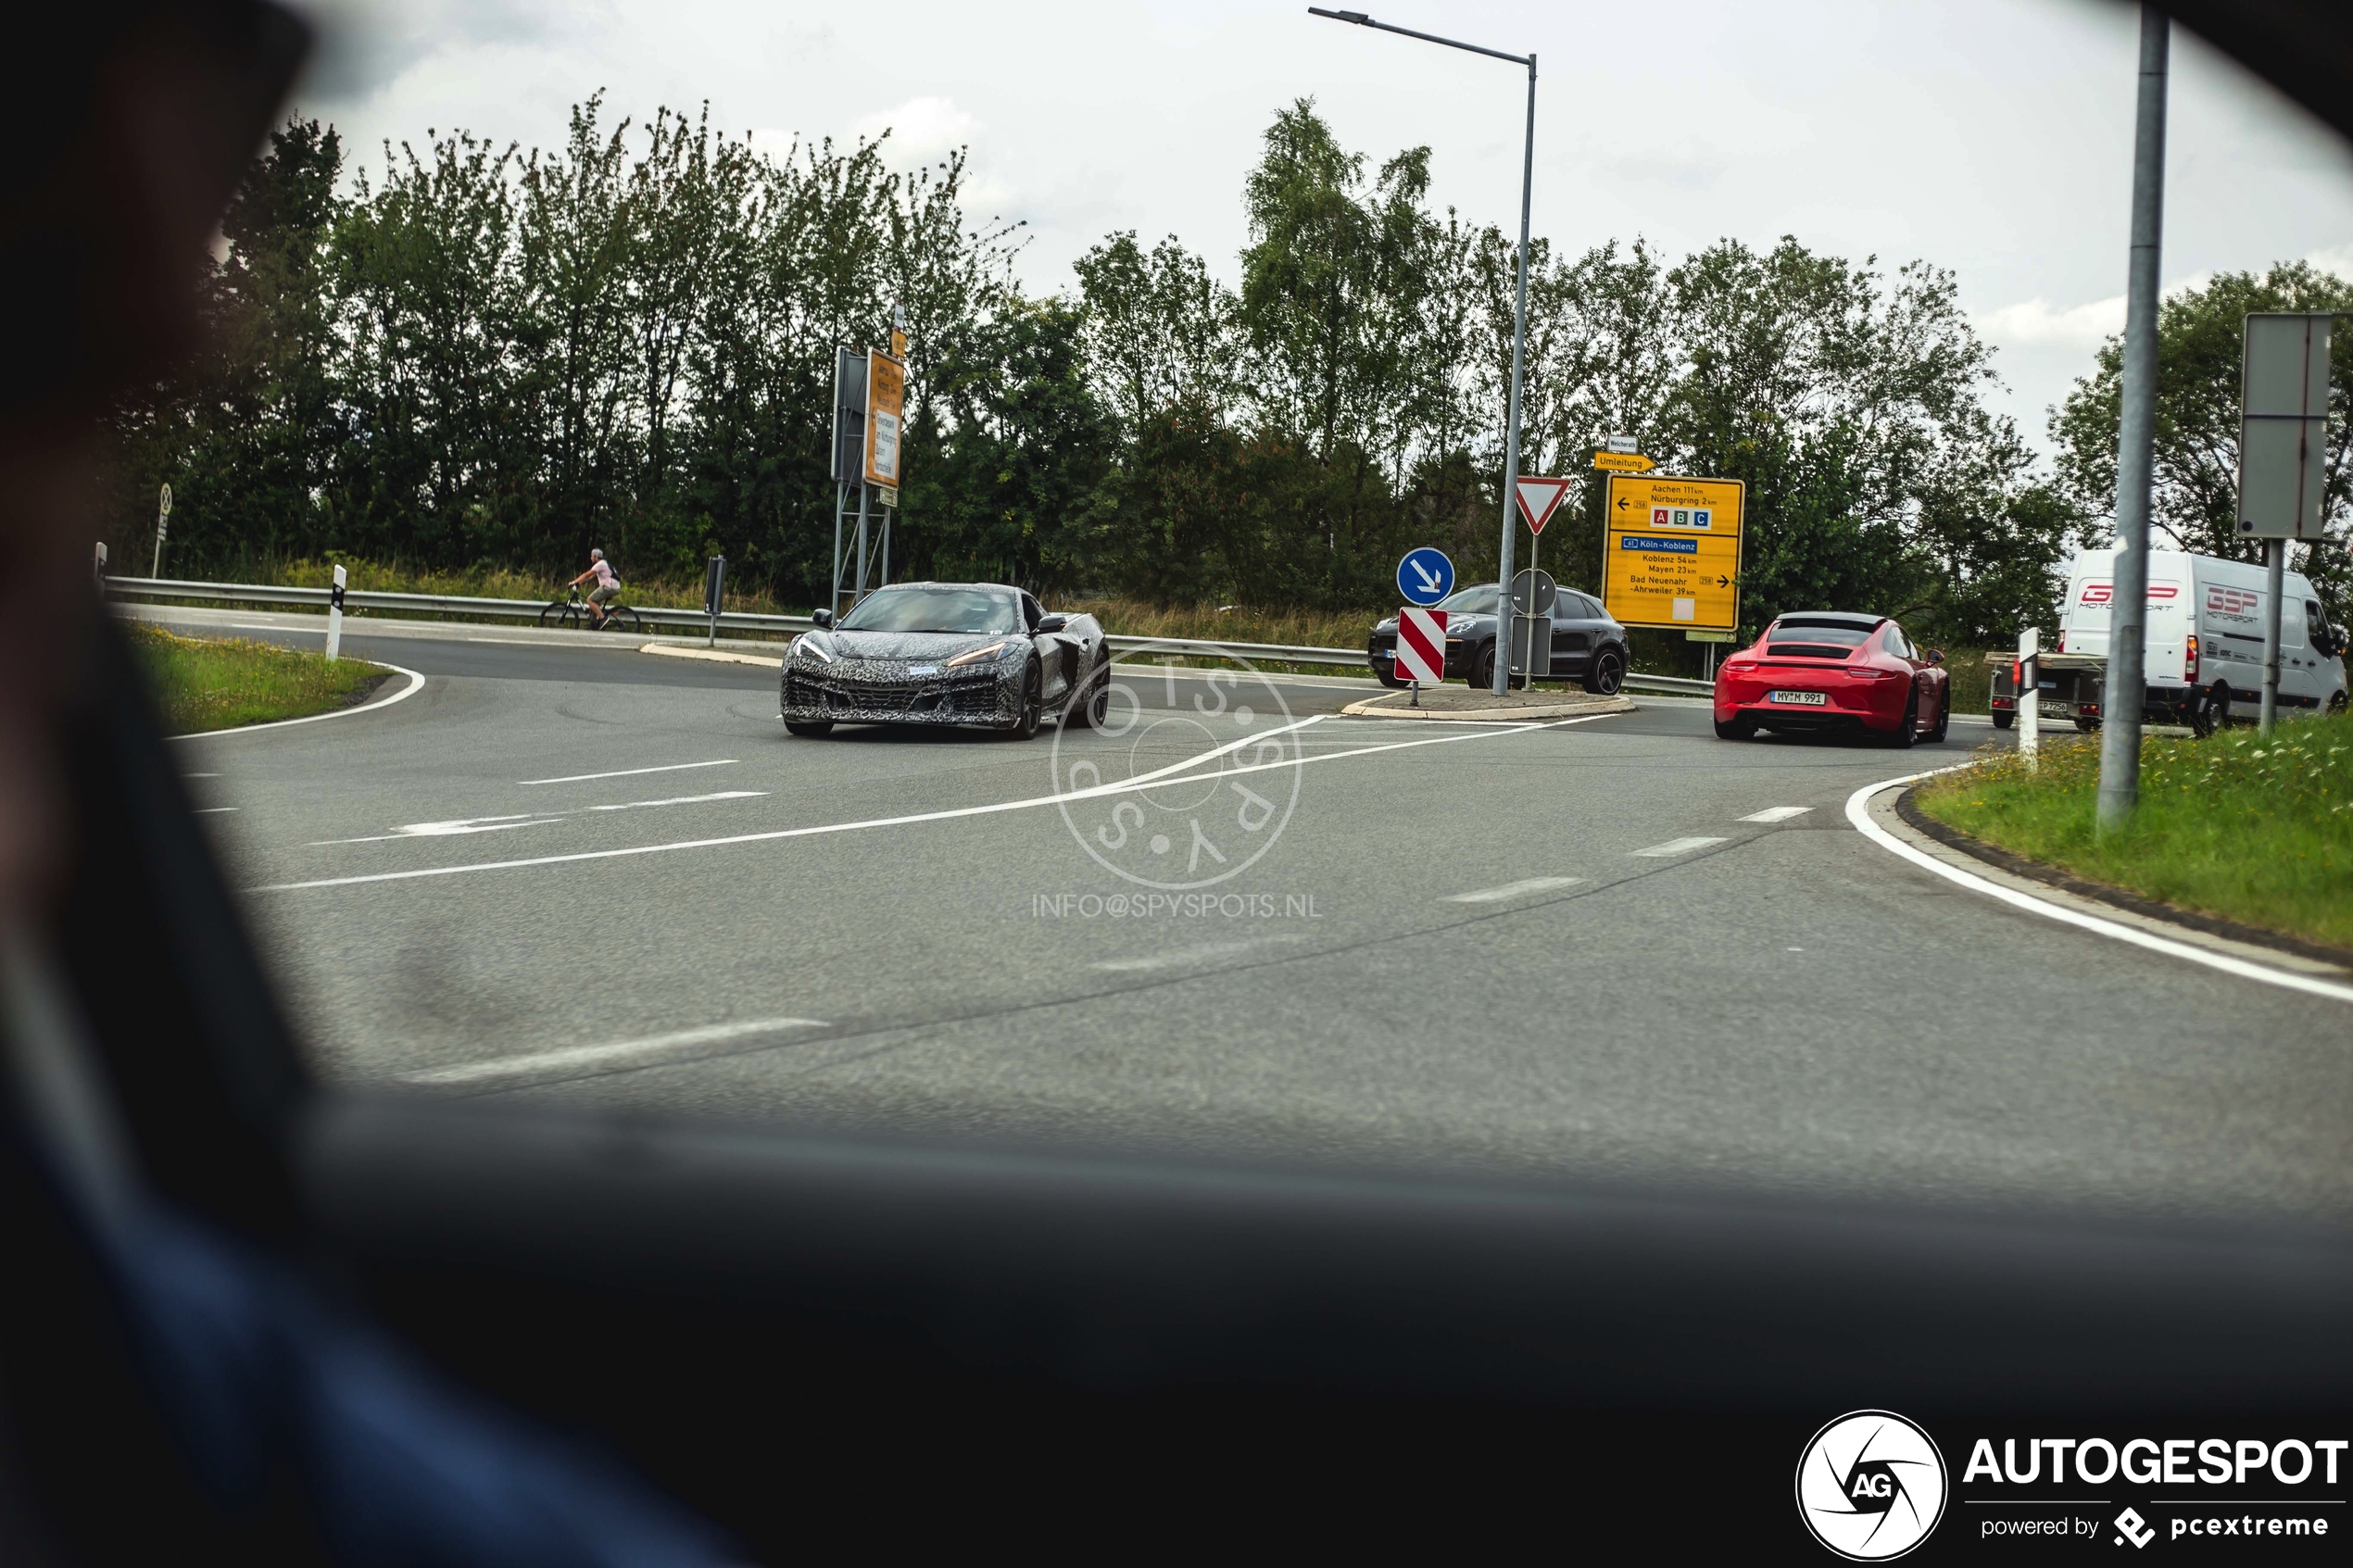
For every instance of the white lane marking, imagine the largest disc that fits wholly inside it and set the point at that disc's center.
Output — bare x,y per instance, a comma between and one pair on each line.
455,828
1674,846
632,773
513,641
1143,781
213,810
200,775
682,801
257,626
1777,813
614,1056
416,684
1512,889
1858,812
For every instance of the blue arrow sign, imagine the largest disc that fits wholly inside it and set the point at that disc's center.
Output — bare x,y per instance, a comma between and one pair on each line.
1425,576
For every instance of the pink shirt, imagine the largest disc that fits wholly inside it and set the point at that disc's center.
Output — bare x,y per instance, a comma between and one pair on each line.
605,579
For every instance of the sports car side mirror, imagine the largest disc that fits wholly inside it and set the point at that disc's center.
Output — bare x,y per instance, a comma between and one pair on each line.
1936,655
822,619
1052,622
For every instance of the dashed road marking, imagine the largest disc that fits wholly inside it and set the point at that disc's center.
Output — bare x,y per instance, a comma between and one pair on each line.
632,773
1777,813
682,801
213,810
570,1062
1513,889
1674,846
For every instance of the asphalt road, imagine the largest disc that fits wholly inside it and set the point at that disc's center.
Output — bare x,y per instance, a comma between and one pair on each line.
568,870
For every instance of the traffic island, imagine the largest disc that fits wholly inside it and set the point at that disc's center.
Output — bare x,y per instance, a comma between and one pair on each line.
1462,705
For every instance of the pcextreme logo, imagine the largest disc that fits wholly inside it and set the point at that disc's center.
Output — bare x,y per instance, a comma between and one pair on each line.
1870,1486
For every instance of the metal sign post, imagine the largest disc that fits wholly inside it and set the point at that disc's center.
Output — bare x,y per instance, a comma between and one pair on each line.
850,459
163,522
2282,457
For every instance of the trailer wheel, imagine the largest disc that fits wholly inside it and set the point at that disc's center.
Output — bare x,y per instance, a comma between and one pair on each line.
2003,721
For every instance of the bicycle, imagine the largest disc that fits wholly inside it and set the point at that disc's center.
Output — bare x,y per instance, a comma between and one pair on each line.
571,614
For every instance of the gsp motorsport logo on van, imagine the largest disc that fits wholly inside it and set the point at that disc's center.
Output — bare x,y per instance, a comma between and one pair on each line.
1870,1486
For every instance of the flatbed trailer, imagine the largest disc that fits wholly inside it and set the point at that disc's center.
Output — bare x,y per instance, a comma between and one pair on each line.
2075,685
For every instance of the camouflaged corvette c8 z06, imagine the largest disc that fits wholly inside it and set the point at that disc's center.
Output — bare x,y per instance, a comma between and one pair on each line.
962,655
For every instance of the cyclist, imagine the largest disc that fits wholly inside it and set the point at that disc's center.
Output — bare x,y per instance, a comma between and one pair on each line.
608,586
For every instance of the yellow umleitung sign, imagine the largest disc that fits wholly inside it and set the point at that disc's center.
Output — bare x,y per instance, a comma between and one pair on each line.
1671,556
1623,462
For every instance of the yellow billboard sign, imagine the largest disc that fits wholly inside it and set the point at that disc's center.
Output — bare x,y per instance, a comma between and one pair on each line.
1671,555
885,396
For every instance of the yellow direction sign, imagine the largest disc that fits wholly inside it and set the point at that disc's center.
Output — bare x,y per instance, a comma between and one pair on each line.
1671,556
1622,463
885,398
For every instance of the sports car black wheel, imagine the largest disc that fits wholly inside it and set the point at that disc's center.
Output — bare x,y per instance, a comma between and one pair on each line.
1944,718
1482,671
812,727
1093,705
1608,673
1908,731
1032,706
1740,728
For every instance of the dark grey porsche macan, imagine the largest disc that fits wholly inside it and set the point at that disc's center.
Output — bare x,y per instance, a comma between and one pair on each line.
966,655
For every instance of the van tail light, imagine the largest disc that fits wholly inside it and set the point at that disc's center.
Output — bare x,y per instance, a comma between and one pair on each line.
2017,674
2189,661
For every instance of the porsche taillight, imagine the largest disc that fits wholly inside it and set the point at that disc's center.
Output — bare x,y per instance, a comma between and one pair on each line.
2189,661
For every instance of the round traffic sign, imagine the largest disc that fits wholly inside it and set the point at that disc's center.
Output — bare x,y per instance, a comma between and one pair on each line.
1425,576
167,500
1533,593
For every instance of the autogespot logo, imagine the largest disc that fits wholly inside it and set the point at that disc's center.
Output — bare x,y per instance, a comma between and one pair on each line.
1223,739
1870,1486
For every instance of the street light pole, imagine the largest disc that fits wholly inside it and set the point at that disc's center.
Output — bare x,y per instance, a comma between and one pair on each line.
1519,327
2135,444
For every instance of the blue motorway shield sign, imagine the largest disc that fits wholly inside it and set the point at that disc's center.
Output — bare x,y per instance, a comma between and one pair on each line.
1425,576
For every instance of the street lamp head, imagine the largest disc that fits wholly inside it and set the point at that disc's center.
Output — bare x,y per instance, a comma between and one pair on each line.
1356,18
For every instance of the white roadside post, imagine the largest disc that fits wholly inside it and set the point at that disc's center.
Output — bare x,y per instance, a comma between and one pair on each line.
334,615
98,566
163,522
2029,694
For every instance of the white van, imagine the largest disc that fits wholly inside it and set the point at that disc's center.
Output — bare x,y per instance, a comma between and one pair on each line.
2205,646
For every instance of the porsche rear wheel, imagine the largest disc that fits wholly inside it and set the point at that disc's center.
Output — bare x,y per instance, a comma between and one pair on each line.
1740,728
1907,729
1032,706
1944,718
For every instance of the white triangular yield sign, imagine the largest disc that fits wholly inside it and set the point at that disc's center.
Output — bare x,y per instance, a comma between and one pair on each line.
1538,500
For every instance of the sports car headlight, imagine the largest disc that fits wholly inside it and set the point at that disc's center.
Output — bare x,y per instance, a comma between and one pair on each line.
976,654
814,648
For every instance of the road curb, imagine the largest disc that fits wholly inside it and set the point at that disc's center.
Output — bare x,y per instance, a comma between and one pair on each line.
714,656
1874,815
416,684
1492,712
2186,923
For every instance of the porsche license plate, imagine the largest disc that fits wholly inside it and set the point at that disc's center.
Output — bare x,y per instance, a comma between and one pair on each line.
1803,700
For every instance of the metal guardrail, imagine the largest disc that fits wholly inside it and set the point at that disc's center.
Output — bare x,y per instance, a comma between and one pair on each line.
734,621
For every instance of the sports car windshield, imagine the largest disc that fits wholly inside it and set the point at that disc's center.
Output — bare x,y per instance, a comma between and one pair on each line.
1821,632
934,610
1472,601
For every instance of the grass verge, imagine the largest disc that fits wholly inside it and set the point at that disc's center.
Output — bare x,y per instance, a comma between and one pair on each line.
2254,828
202,685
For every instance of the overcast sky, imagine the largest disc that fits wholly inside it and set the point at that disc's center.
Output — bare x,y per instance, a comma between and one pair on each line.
1993,137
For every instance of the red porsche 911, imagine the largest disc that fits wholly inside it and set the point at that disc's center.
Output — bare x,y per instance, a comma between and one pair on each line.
1826,671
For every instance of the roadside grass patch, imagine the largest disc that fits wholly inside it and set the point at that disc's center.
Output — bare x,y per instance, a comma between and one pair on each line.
202,685
2255,828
